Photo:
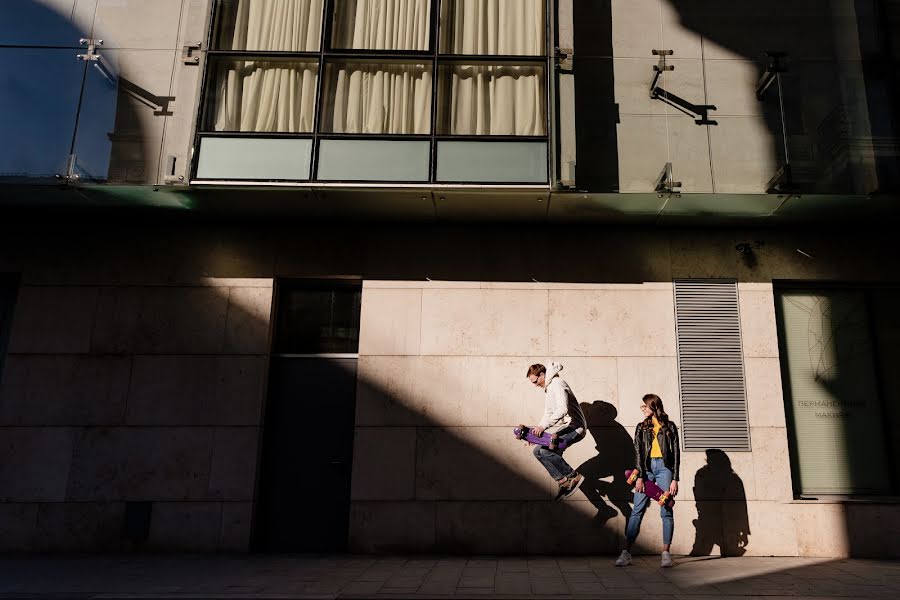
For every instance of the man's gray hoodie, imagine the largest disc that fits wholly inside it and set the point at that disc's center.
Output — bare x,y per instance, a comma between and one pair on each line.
561,408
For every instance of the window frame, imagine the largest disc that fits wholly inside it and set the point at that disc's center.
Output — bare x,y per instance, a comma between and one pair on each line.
327,54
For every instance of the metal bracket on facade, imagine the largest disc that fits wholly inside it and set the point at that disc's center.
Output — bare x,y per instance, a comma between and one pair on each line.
565,60
190,53
782,182
170,178
771,74
700,112
70,175
665,182
91,53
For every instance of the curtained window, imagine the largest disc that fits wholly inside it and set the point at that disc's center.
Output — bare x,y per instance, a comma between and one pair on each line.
429,68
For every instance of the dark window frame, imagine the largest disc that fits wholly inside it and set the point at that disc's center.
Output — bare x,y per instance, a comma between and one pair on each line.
328,54
283,289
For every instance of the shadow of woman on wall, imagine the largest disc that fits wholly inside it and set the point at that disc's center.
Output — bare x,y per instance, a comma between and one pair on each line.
605,473
721,508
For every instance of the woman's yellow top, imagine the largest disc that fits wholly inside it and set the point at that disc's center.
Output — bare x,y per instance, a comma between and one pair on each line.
655,450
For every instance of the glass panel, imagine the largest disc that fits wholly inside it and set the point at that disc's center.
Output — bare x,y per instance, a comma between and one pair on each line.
494,162
492,100
262,96
261,159
886,313
373,160
318,321
41,23
379,98
97,118
514,27
44,87
830,383
382,24
280,25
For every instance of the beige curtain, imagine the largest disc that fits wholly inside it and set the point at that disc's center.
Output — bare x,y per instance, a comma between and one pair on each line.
493,27
382,99
496,100
266,95
382,24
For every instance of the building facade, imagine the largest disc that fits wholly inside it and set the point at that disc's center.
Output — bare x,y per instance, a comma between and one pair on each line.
272,272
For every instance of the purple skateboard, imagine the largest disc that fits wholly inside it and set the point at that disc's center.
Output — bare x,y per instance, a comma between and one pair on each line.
550,440
651,489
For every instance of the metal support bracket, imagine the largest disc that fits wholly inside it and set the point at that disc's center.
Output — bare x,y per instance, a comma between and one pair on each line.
190,53
90,54
782,182
700,112
665,182
770,75
565,60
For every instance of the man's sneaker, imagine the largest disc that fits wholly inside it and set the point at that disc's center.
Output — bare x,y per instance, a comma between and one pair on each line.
563,490
624,559
574,482
667,560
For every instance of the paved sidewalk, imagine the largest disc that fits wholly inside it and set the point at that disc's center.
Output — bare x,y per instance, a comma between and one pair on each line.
255,576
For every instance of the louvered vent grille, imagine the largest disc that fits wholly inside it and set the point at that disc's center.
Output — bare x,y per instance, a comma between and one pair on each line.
711,366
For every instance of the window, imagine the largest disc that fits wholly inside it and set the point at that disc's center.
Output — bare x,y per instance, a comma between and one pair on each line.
318,318
410,91
839,351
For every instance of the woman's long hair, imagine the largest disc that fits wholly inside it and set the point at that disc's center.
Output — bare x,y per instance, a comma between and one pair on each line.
655,404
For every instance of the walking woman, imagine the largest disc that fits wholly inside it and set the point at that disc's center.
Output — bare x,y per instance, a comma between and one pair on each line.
657,458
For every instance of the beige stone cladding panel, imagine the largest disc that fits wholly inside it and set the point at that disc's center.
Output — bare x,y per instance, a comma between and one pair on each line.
481,527
422,390
196,390
17,526
771,463
64,390
714,482
647,143
509,398
631,322
706,254
232,475
247,320
477,463
53,320
742,152
758,328
390,321
731,85
632,79
185,526
145,463
36,463
575,526
384,463
821,529
137,23
874,530
493,322
156,320
765,399
641,25
374,527
771,528
237,518
638,376
79,526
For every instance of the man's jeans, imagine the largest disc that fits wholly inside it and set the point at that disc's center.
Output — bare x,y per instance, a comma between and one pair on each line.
662,477
552,460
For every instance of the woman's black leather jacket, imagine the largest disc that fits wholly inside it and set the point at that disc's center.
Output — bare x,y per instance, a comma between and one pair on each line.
668,443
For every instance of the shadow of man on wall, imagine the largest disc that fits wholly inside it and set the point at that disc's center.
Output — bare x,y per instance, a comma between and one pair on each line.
721,508
605,473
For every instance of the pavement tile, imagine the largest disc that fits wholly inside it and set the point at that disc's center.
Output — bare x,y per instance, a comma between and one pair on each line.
512,583
548,585
512,565
361,587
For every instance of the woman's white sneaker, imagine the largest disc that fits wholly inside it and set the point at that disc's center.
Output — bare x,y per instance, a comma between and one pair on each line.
624,559
667,560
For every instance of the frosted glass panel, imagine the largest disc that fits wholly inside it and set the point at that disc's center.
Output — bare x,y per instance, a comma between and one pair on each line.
492,162
254,158
831,388
373,160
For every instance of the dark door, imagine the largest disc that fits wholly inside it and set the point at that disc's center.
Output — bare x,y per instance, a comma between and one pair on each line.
304,488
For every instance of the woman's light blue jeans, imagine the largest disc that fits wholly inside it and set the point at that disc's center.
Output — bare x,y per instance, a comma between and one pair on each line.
662,477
